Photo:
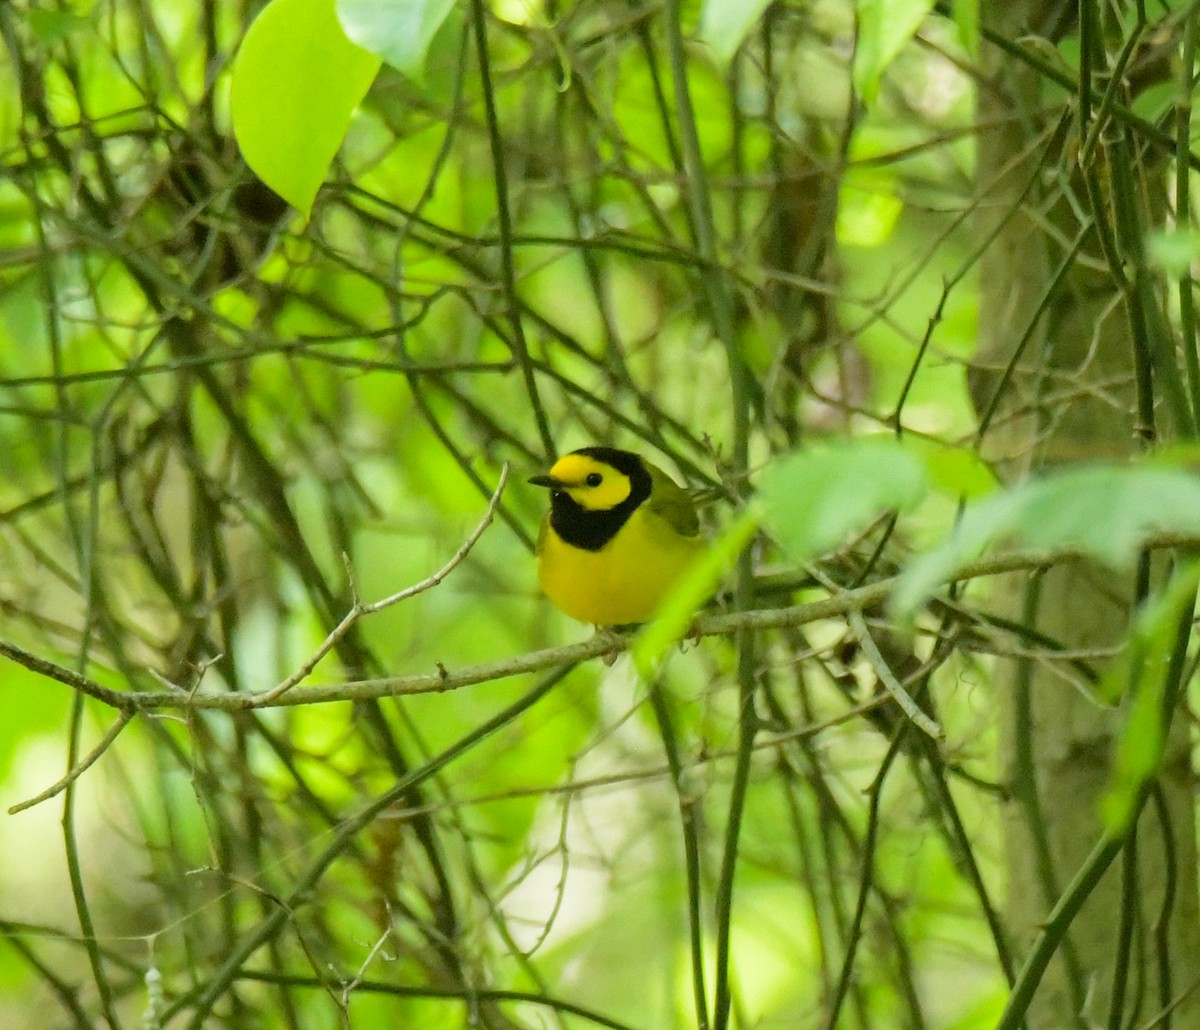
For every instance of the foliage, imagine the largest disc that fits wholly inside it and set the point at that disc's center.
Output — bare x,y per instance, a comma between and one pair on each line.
286,288
296,82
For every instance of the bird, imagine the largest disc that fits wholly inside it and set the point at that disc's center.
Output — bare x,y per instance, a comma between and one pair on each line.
618,536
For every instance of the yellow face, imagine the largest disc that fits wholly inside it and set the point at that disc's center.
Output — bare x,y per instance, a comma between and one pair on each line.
591,484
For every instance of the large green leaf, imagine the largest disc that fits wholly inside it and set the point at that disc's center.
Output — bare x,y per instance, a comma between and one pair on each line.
812,499
676,614
869,208
966,17
955,472
399,31
1105,512
1173,252
296,82
724,24
884,27
1140,676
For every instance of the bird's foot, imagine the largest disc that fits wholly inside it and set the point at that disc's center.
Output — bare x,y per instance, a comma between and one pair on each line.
619,637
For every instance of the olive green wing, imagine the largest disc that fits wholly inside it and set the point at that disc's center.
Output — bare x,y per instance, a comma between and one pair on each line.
671,503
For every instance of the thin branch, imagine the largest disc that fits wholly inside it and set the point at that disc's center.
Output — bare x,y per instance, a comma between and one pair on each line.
267,928
443,679
119,699
359,609
690,823
923,722
476,994
508,271
80,767
866,880
1055,929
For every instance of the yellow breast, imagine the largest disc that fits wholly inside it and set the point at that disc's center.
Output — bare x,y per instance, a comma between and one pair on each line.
623,582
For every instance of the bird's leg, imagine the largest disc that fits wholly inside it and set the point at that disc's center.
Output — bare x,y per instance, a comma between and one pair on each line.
618,636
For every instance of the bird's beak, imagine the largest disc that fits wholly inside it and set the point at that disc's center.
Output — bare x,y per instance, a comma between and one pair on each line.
550,481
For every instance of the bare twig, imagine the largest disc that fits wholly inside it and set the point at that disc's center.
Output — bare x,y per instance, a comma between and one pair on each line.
888,678
80,767
838,605
118,699
359,609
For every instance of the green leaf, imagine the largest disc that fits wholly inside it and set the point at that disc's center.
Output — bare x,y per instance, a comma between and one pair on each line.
812,499
296,82
1105,512
51,27
399,31
884,27
869,207
1173,252
724,24
1142,672
676,612
954,471
966,19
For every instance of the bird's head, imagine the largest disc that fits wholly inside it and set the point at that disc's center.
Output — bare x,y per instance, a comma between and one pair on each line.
597,478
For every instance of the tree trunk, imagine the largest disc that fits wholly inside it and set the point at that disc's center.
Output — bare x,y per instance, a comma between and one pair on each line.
1070,396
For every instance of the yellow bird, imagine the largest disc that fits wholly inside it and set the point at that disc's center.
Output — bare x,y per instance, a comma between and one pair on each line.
619,534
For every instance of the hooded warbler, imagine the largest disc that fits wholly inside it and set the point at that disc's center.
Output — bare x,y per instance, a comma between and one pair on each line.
618,535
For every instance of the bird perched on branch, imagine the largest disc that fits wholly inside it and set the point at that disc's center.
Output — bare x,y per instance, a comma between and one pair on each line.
619,534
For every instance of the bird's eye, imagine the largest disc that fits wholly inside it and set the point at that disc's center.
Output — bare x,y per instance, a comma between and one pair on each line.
594,479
